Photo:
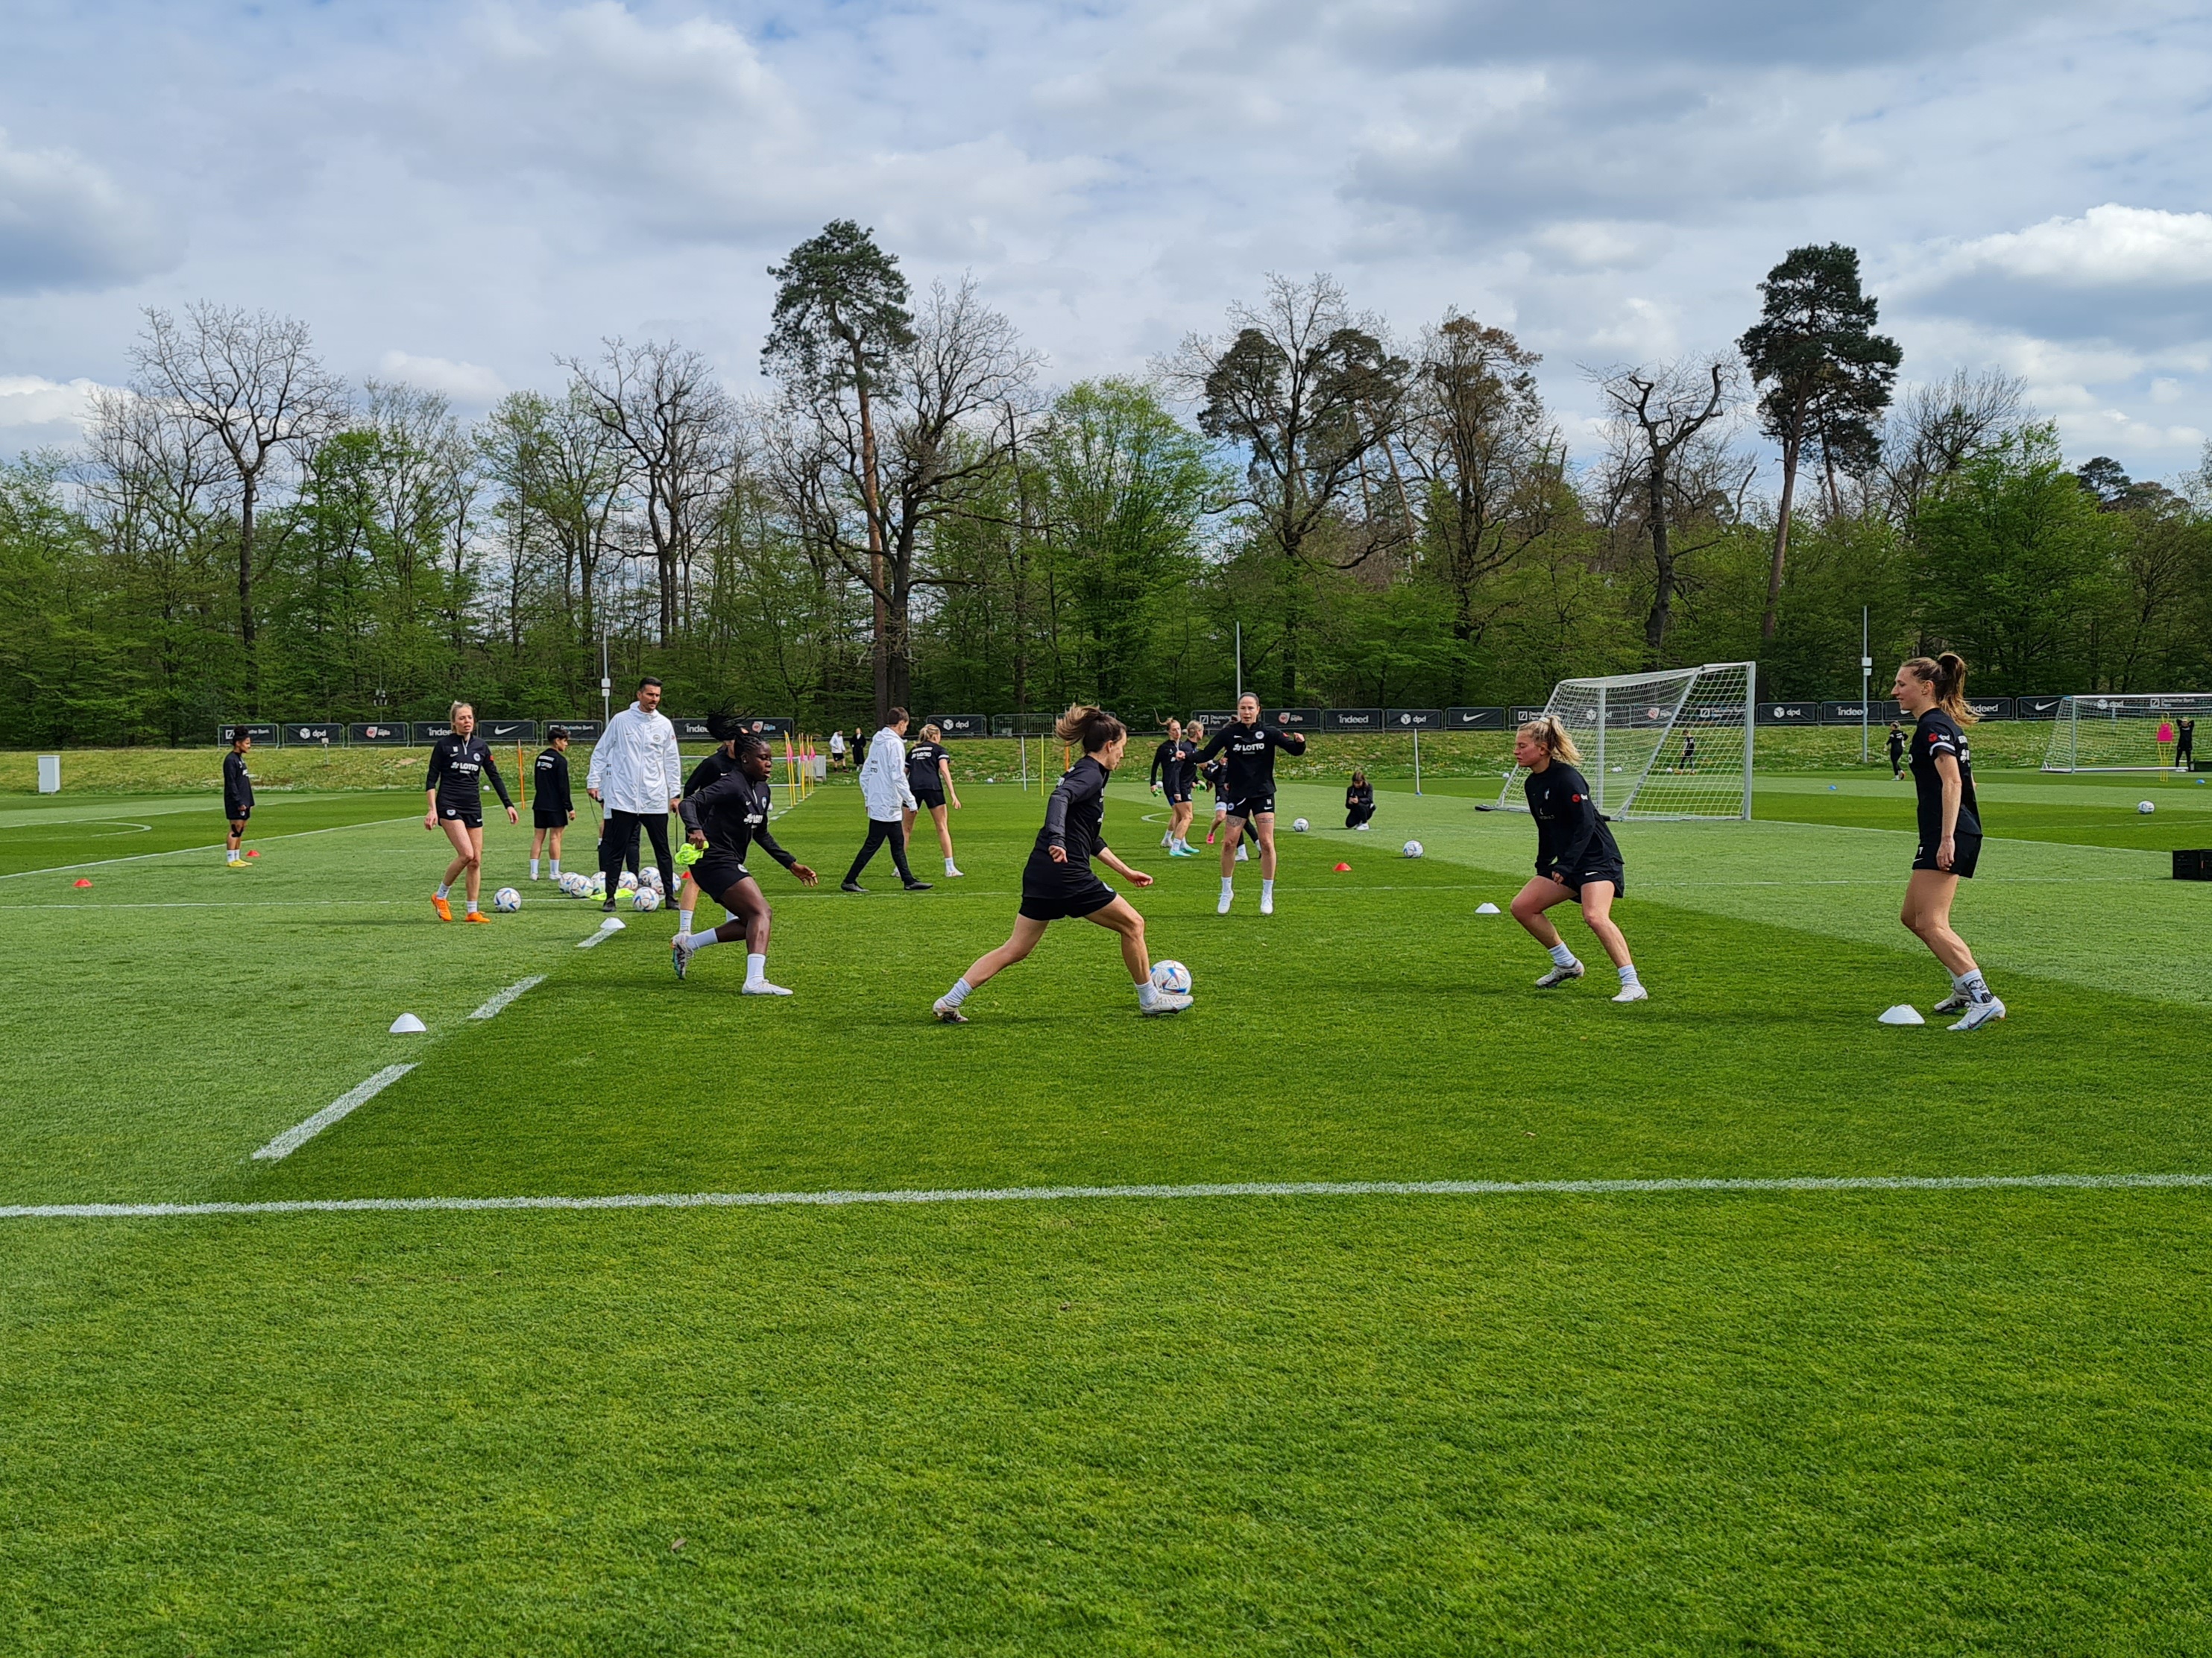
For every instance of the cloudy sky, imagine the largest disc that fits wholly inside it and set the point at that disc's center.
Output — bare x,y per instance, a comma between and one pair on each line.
450,194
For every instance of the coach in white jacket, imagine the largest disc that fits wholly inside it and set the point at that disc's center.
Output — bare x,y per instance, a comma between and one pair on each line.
890,798
637,774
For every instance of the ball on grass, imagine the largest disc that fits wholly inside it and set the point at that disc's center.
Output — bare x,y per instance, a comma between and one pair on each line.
2146,807
645,899
1414,848
1298,825
506,901
1173,977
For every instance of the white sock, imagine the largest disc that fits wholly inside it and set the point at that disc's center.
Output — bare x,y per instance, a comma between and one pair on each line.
961,991
231,857
1628,975
697,940
949,867
1228,885
472,907
1147,993
1561,956
1972,985
533,869
444,889
1267,889
683,923
755,967
556,871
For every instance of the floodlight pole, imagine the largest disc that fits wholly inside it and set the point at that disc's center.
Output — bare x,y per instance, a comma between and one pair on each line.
1240,662
606,684
1417,759
1866,690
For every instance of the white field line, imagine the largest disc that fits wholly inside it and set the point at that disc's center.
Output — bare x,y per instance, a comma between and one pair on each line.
1816,1183
491,1009
297,1136
212,845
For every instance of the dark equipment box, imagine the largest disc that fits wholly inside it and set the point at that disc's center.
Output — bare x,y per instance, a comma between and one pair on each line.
2193,865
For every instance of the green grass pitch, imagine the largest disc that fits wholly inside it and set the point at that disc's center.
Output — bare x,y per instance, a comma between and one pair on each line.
1927,1420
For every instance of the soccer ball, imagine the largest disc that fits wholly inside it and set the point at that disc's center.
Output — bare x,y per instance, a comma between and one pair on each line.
1414,848
573,885
645,899
598,887
506,901
626,882
2146,807
1172,977
1299,824
651,878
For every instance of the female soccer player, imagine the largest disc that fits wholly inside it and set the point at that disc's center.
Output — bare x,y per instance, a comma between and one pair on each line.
1896,751
714,766
1358,802
726,818
929,776
1576,857
1058,881
237,795
552,807
1934,695
454,795
1250,747
1175,767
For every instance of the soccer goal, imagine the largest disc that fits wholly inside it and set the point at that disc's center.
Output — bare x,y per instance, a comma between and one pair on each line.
1675,743
2112,731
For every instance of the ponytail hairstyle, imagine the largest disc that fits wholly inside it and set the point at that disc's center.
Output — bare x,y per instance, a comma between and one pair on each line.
729,728
1948,674
1093,727
1552,735
933,734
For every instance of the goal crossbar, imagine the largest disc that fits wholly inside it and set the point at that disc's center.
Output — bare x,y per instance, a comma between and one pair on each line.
1674,743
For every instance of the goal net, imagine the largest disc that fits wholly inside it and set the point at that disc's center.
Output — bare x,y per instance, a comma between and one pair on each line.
2112,731
1674,744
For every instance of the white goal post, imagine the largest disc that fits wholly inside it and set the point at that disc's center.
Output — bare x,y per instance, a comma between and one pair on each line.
2117,731
1673,743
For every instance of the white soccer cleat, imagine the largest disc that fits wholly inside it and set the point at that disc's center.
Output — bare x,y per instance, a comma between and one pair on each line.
1560,976
1267,903
1633,993
951,873
1980,1014
948,1014
1167,1002
1957,1002
1222,909
679,956
1243,854
762,988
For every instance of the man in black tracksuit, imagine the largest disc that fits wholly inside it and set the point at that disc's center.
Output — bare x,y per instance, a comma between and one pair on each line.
237,795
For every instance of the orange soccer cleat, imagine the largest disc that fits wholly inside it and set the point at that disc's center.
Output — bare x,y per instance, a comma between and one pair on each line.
445,910
478,915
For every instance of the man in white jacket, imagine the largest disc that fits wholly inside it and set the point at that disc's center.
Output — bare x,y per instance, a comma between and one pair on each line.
885,788
637,774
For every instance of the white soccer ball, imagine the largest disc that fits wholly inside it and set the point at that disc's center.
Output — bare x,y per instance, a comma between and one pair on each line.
507,899
651,878
1414,848
2146,807
576,884
626,882
598,886
1173,977
1299,824
644,899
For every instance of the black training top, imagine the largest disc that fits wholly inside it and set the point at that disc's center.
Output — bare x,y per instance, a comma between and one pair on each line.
732,812
715,766
237,783
552,773
1215,773
1251,751
1163,759
1075,817
1935,734
1359,794
1896,742
922,771
457,765
1571,836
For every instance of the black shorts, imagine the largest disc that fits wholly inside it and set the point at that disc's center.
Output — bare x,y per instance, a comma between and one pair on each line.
1574,883
1178,797
1965,852
1252,806
1053,892
548,819
716,872
236,814
928,799
467,817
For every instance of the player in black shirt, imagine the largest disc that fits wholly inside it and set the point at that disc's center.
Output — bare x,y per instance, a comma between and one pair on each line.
1896,750
454,797
1058,881
2185,743
552,808
929,774
1358,802
1576,857
717,764
726,819
1175,767
237,795
1250,749
1934,695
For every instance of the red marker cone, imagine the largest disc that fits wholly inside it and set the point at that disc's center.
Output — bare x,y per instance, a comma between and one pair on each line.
83,882
253,854
1343,868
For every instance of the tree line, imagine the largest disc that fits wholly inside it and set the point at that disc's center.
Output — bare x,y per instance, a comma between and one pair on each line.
912,516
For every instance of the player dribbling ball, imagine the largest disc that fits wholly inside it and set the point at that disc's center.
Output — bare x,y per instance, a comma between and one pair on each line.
1576,857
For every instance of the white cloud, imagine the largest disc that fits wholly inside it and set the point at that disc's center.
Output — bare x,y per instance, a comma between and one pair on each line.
2108,246
64,223
27,400
466,383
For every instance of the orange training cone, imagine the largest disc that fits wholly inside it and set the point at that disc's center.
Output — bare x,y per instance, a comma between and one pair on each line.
1343,868
83,882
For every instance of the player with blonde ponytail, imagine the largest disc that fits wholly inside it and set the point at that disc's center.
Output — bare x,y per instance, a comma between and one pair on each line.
1576,857
1934,693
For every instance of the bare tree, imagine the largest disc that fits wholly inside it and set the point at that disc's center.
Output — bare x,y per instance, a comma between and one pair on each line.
1491,462
1935,430
1311,391
251,382
1661,418
674,423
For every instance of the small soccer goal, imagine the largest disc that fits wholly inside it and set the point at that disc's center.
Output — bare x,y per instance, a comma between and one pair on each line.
2115,730
1673,743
